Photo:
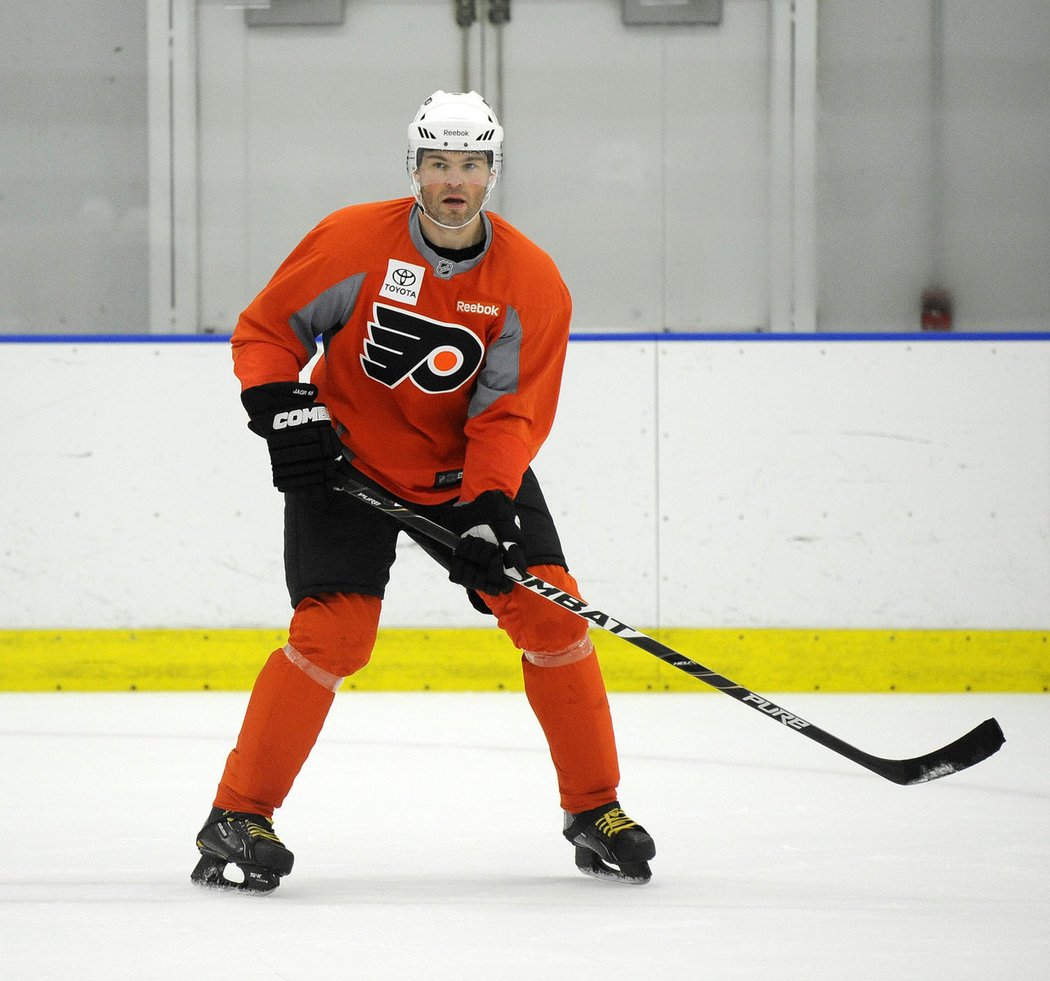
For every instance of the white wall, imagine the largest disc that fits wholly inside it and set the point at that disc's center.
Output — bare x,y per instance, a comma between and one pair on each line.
921,185
679,174
659,165
73,180
755,483
637,156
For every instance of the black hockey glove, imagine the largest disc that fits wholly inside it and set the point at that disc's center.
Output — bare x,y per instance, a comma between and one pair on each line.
489,556
298,431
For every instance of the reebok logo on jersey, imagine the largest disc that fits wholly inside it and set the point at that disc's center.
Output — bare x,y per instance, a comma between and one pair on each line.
437,357
486,308
402,282
300,417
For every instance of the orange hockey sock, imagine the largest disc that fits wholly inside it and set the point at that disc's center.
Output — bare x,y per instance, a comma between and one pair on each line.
284,718
570,702
330,637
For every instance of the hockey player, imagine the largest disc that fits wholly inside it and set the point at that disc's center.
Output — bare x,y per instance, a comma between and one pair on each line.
444,334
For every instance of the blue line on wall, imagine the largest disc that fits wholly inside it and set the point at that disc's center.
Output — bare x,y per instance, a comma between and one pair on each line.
1006,335
582,337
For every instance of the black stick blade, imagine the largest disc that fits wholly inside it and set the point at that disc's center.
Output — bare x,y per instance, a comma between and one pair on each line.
978,744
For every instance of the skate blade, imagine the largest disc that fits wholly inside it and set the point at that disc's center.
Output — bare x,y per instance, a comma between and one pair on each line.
630,873
210,873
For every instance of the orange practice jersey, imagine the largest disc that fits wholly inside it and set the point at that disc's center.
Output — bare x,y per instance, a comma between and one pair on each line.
434,371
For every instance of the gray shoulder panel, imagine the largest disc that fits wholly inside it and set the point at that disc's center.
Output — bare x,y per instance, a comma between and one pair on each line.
501,371
327,311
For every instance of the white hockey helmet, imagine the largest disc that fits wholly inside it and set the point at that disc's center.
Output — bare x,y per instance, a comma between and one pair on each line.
461,121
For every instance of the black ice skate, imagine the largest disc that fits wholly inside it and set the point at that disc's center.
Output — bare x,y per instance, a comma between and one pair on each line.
609,845
247,841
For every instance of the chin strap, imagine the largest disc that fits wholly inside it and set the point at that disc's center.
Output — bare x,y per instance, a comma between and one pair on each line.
451,228
417,193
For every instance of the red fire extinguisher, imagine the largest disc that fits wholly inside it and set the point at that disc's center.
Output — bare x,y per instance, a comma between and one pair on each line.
936,309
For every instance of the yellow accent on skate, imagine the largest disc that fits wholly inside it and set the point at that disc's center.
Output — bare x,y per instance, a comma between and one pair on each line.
613,822
258,831
483,659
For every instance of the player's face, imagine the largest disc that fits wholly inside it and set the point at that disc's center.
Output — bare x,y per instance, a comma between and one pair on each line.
453,185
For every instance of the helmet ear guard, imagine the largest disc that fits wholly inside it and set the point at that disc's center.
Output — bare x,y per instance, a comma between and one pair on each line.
457,122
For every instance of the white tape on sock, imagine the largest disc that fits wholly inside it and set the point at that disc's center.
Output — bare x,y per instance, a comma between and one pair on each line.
553,659
324,678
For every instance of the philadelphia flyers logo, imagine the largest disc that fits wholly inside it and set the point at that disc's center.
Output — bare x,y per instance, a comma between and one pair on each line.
437,357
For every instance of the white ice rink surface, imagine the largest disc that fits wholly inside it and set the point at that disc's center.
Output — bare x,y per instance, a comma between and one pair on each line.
427,845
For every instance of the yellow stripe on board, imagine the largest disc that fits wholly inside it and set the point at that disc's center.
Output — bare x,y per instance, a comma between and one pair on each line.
483,659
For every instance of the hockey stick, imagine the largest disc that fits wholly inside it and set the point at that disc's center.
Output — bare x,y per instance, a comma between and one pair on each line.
976,745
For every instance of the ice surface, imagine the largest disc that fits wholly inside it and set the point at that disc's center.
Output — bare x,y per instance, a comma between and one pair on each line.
427,840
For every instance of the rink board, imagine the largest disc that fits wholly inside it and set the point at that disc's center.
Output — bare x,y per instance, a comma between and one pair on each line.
482,659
